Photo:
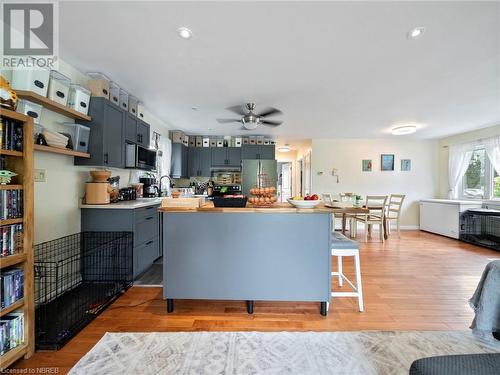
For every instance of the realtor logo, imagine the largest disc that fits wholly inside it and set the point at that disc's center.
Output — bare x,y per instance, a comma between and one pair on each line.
29,30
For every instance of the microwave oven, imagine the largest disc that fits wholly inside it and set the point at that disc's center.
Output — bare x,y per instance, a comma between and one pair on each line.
139,157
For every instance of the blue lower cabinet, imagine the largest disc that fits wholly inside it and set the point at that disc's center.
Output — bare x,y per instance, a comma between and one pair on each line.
143,222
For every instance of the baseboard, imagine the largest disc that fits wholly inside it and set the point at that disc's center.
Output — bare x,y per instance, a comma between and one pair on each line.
361,226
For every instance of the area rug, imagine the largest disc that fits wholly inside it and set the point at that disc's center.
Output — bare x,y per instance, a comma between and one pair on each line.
241,353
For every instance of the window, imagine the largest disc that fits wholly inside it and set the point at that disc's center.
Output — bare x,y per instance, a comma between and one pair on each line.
480,181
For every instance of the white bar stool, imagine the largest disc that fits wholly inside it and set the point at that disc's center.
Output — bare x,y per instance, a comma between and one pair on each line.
342,247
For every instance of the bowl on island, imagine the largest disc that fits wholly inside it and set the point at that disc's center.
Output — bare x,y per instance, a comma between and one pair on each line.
304,203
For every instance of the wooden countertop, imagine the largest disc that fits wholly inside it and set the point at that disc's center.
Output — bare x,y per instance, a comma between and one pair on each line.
277,208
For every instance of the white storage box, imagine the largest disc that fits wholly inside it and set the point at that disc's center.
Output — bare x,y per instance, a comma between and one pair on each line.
58,87
132,104
31,80
114,93
98,85
79,136
220,142
79,98
237,142
30,109
206,142
140,110
185,141
123,99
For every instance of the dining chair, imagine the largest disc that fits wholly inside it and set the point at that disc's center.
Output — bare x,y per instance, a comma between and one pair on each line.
393,211
326,198
348,198
376,205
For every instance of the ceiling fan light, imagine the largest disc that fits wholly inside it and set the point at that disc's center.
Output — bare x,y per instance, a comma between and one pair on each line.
251,125
404,130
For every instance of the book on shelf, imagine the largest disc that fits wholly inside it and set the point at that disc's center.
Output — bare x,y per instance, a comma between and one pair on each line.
11,204
11,135
11,331
11,239
12,286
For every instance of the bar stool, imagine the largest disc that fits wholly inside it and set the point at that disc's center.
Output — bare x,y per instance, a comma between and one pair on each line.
342,247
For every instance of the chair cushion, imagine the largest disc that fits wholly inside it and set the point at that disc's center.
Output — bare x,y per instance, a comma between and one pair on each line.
339,241
469,364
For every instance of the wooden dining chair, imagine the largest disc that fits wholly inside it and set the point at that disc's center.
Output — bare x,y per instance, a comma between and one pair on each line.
376,204
348,198
393,211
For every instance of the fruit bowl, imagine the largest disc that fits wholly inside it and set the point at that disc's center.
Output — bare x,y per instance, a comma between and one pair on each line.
304,203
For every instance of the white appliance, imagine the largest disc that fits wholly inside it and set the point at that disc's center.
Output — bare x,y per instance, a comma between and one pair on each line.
442,216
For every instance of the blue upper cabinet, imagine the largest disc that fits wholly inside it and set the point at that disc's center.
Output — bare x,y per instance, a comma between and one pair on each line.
226,157
266,152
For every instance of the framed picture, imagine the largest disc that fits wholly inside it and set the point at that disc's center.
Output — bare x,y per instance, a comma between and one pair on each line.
405,165
367,165
387,162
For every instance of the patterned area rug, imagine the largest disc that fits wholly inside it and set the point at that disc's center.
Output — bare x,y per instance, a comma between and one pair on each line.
241,353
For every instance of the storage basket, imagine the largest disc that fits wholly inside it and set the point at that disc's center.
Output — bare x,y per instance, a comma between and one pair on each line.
30,109
31,80
79,134
98,85
79,98
141,110
77,277
58,87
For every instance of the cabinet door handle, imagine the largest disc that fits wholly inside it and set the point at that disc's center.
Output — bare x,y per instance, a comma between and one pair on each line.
106,158
149,218
149,242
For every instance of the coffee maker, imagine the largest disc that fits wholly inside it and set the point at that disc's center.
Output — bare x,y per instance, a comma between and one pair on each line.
150,188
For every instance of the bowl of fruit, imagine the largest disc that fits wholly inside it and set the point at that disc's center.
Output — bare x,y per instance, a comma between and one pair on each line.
309,201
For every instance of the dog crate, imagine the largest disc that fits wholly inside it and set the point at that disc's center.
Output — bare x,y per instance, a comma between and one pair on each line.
481,227
76,277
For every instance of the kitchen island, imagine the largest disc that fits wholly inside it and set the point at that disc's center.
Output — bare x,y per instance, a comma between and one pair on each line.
248,254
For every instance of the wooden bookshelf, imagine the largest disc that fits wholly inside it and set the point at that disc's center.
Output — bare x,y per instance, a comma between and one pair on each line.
16,305
22,164
52,105
11,187
63,151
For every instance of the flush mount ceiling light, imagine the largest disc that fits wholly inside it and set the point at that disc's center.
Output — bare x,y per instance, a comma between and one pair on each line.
403,130
184,32
416,32
284,148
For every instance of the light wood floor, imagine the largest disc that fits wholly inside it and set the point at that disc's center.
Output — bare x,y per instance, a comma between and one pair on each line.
419,282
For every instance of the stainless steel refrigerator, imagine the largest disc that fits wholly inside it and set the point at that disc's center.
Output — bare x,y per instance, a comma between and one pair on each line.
252,170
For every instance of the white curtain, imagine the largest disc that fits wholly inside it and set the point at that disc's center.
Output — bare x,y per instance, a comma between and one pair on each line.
458,162
492,147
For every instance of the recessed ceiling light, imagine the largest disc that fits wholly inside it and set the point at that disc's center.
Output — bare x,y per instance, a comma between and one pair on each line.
415,32
184,32
194,108
403,130
284,148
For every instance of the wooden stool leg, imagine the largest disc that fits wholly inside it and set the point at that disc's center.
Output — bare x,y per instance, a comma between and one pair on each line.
339,262
359,285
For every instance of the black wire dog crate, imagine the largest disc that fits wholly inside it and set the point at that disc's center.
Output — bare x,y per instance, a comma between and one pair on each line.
76,277
481,227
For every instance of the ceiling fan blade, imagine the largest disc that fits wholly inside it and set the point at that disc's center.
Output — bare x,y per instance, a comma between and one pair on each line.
271,123
227,120
238,109
243,128
270,111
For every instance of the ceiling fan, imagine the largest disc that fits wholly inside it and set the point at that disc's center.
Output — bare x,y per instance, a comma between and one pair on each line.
251,120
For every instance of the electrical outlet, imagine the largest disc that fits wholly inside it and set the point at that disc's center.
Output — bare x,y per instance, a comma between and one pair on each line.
39,175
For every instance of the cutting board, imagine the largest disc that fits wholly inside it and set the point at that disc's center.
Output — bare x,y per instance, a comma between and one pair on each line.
182,202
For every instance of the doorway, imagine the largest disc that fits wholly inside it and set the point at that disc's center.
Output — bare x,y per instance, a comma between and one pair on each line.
284,181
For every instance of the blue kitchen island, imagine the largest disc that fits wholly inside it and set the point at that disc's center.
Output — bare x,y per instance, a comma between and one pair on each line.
248,254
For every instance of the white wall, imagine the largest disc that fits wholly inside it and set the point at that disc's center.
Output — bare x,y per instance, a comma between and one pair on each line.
346,156
458,138
57,200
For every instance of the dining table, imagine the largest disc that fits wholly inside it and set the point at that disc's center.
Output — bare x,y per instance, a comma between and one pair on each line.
349,209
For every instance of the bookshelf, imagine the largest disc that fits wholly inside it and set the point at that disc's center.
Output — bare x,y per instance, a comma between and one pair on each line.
22,164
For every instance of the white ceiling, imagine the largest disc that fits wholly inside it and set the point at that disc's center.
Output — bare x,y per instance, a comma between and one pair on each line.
335,69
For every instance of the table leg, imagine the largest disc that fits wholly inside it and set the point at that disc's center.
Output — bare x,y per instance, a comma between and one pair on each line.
170,305
323,310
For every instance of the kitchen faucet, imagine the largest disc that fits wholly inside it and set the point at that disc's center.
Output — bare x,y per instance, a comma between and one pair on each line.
171,183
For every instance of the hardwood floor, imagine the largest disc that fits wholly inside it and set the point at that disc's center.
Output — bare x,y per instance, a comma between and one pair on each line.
419,282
